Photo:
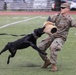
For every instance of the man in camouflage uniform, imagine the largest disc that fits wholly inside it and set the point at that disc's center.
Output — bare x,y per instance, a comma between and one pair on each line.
64,22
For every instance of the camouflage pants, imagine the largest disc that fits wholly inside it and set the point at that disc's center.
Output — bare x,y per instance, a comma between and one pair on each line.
55,45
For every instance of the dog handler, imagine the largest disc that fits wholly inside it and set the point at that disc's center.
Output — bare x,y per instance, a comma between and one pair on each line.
64,22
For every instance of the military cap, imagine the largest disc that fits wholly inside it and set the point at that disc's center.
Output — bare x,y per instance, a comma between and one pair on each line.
66,5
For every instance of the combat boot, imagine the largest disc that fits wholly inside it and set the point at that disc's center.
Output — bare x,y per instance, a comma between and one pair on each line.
46,63
53,67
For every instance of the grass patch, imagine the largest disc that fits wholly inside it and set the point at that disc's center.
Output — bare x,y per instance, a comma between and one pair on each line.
27,61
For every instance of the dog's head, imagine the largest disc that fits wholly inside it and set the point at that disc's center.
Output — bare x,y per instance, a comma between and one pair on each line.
48,28
38,32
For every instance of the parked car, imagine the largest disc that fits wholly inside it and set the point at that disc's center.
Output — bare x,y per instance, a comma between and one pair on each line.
73,5
69,1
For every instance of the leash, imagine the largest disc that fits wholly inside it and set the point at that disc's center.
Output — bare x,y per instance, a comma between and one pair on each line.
12,34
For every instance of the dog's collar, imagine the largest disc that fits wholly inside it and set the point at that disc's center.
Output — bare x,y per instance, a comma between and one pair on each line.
35,35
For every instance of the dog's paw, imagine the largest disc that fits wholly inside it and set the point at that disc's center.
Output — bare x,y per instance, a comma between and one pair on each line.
8,62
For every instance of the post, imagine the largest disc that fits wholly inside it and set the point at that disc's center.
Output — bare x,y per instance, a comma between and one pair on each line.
58,4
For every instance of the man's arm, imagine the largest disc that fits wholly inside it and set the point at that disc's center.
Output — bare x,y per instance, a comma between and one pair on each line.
73,23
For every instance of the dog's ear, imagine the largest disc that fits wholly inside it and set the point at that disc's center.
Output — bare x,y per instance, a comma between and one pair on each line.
49,19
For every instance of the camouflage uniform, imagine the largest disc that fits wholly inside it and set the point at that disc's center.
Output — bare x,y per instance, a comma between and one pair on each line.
56,41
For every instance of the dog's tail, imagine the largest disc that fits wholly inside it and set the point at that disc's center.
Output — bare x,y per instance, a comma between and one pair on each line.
4,49
0,53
